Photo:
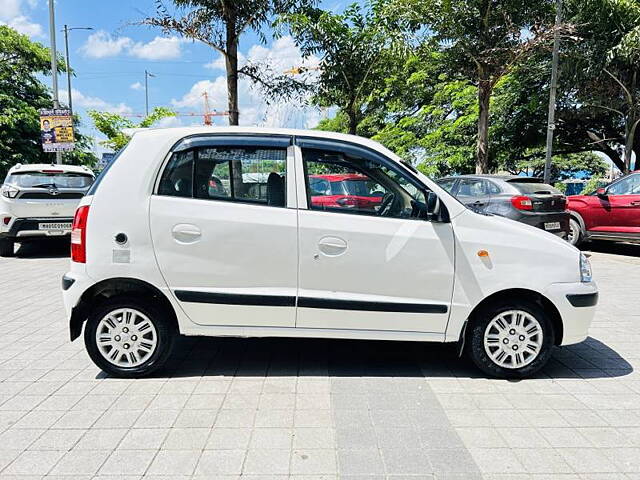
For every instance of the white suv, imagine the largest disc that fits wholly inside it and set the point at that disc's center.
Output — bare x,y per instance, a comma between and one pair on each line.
39,201
182,236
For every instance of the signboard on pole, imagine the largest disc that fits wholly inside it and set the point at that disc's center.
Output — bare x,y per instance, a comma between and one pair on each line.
56,130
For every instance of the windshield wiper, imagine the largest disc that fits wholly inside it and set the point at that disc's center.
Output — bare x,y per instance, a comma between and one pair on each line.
44,185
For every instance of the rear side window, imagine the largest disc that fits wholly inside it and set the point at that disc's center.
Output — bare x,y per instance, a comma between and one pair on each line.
532,188
472,187
177,178
242,174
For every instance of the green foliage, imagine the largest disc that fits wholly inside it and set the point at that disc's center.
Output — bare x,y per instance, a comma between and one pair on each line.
21,95
352,47
112,125
593,184
561,186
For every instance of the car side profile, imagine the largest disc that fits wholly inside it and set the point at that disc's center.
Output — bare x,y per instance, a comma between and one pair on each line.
524,199
609,213
176,256
39,200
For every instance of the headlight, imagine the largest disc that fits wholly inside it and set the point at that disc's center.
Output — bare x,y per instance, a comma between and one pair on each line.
9,191
585,268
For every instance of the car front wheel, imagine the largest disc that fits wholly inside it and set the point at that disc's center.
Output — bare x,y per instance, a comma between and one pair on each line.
511,339
575,233
128,337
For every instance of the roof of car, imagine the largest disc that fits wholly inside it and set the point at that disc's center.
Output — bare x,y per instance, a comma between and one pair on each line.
49,168
338,177
506,178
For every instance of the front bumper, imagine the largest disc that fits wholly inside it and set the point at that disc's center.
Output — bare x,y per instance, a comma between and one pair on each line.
576,303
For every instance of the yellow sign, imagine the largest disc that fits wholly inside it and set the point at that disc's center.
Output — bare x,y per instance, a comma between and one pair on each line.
56,130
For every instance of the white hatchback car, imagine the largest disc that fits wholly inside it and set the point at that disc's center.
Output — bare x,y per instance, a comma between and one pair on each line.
180,236
39,200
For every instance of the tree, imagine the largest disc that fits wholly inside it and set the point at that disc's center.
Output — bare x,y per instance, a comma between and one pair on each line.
220,24
112,125
22,94
352,46
481,41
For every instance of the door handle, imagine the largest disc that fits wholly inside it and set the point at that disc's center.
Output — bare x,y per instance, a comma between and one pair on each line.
332,246
635,203
186,233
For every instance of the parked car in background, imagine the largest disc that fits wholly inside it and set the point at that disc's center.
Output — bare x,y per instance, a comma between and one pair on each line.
524,199
155,253
39,201
349,190
609,213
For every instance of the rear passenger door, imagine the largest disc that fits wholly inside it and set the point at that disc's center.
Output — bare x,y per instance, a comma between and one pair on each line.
224,230
475,193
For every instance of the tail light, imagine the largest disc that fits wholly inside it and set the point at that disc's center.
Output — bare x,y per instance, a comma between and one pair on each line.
522,203
347,202
79,235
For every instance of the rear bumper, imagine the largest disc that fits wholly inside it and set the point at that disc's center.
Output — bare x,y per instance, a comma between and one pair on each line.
539,219
29,227
576,303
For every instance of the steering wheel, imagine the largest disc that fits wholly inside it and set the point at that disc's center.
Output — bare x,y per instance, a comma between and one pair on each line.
385,205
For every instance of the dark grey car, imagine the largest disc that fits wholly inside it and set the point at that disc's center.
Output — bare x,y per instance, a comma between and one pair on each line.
525,199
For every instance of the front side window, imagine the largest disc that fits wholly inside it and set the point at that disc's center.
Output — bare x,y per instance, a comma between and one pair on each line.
626,186
242,174
447,183
346,183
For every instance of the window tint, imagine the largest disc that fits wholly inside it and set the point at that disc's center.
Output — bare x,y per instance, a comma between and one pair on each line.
447,183
492,188
177,178
48,179
350,184
250,174
472,187
626,186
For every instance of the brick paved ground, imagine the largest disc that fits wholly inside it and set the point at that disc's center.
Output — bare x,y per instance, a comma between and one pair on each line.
313,409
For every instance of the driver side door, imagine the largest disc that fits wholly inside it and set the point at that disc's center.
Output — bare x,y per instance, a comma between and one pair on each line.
363,266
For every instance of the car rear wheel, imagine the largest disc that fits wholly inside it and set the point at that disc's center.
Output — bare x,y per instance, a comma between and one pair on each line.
575,236
128,337
511,339
6,247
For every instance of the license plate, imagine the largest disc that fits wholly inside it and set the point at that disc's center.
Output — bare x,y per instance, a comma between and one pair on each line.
52,227
552,226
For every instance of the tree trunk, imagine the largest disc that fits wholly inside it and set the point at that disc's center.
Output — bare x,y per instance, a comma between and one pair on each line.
231,64
482,148
353,122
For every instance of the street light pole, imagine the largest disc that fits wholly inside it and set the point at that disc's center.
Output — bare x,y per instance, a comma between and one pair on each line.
66,31
551,126
54,64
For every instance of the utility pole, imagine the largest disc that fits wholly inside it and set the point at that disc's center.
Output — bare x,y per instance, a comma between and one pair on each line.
551,125
54,64
66,31
146,90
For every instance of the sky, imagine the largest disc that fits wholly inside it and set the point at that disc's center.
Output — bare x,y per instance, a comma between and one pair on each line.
109,63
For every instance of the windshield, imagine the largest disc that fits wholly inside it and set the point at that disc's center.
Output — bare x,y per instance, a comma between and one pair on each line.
531,188
49,180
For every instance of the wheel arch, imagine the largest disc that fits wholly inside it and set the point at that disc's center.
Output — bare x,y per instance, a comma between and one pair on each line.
523,293
112,287
577,217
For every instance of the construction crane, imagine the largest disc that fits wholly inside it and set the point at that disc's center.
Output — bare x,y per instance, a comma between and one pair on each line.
207,109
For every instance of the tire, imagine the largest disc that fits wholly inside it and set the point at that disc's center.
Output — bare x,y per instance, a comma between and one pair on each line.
127,315
576,236
6,247
484,326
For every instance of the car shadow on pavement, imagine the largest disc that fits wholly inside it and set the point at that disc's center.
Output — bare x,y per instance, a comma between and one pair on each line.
259,357
44,248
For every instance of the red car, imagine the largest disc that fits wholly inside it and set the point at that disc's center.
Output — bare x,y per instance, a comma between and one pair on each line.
349,190
610,213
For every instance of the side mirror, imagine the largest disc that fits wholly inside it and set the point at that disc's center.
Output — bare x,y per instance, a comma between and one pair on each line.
601,192
436,211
